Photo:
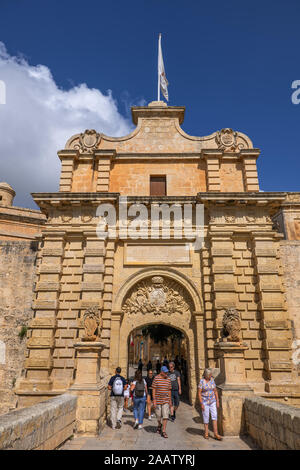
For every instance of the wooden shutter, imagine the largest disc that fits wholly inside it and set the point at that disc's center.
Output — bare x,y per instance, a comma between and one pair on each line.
158,186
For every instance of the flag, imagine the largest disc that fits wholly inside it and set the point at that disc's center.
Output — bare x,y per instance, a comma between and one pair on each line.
162,79
131,341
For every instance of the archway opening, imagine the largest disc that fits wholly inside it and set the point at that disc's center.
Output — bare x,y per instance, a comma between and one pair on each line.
154,345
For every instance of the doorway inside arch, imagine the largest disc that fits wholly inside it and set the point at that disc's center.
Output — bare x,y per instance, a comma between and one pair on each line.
154,345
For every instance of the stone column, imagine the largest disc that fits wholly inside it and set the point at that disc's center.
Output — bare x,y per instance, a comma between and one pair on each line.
91,393
234,387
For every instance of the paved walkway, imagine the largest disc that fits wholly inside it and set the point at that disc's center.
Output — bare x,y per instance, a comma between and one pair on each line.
185,433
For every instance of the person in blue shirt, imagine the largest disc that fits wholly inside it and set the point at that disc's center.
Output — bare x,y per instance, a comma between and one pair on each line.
117,385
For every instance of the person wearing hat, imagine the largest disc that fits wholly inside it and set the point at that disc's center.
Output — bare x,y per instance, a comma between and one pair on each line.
162,400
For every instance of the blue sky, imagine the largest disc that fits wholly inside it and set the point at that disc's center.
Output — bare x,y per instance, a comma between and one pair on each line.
230,63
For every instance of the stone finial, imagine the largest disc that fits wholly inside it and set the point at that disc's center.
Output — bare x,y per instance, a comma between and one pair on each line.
157,104
92,324
231,326
7,194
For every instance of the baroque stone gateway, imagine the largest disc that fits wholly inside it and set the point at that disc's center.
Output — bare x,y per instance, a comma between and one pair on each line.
81,294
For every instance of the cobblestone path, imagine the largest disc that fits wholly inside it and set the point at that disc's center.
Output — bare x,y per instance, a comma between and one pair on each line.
185,433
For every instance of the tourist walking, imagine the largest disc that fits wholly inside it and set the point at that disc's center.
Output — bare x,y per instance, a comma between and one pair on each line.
149,381
140,365
149,365
209,401
117,385
139,389
174,375
158,366
162,402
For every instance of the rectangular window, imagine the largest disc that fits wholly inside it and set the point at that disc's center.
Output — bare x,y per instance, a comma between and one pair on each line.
158,186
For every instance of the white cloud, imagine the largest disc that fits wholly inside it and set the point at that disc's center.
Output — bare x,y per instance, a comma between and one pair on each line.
37,120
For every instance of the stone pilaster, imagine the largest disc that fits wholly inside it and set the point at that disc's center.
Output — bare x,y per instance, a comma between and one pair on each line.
108,279
224,284
200,344
104,165
115,340
249,158
275,324
93,271
67,315
212,157
40,344
67,158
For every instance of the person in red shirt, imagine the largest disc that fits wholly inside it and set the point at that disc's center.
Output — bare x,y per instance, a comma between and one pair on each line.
162,401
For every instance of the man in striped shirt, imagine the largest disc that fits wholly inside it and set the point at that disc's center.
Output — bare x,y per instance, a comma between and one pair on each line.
162,400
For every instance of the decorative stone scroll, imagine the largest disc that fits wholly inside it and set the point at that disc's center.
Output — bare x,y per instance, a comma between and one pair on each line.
231,326
92,324
226,139
157,296
87,142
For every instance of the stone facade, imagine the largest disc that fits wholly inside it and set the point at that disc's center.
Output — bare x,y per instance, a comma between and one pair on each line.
18,252
133,283
17,271
17,223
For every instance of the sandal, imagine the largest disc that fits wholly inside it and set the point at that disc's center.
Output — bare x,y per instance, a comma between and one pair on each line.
218,438
158,430
164,434
206,436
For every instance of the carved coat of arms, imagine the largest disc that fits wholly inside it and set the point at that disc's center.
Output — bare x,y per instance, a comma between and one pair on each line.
156,296
92,323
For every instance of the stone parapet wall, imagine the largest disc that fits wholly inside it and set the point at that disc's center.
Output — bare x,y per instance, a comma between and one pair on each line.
272,425
44,426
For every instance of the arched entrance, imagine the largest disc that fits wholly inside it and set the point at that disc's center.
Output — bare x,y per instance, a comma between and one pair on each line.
159,297
154,343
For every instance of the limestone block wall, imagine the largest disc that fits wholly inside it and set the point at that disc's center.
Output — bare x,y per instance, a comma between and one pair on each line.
74,273
242,269
17,275
274,426
132,178
290,255
43,426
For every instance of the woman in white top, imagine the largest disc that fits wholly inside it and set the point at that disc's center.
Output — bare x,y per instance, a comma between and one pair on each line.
139,388
126,397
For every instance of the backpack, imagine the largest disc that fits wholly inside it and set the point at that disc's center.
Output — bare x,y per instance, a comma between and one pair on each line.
118,386
139,389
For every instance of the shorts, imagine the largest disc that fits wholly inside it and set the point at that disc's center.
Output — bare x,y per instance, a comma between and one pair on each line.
150,395
126,393
162,411
175,397
210,409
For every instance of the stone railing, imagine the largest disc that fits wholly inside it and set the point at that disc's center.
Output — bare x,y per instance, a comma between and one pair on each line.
272,425
43,426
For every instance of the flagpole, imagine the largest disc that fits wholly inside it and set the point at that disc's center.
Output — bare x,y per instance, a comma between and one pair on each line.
158,77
